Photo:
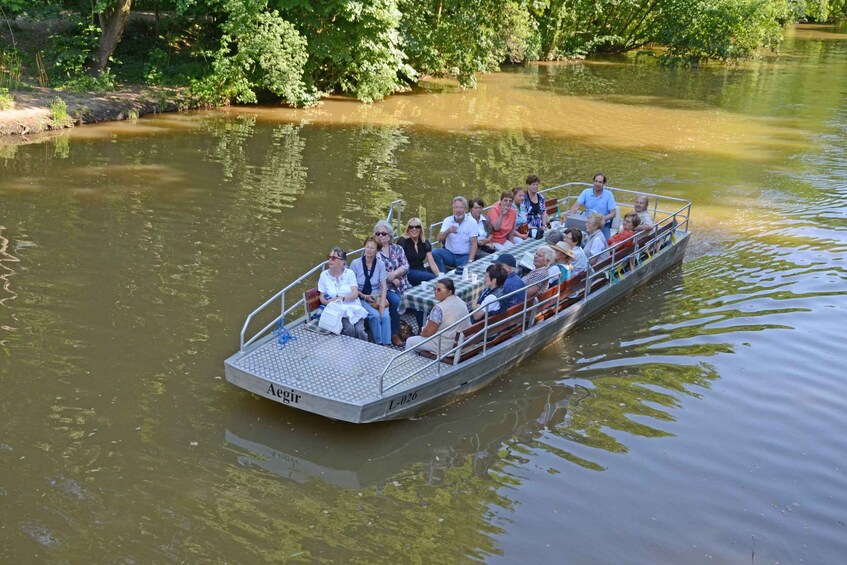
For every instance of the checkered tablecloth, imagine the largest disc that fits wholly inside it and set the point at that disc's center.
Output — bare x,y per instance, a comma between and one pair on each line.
422,297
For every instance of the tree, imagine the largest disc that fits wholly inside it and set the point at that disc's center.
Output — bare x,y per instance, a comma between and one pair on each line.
112,15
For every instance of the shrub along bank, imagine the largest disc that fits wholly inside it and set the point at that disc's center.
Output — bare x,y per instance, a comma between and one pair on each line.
297,51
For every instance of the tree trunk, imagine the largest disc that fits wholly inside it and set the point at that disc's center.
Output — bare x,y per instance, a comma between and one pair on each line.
112,22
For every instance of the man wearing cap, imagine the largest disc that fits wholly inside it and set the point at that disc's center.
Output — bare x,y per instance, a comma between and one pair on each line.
513,281
458,236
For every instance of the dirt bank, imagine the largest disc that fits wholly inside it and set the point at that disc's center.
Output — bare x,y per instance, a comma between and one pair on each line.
31,112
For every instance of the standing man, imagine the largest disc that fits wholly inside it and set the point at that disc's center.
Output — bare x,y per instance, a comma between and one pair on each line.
599,200
458,237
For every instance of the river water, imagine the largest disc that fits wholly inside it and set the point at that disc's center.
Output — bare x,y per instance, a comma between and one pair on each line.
700,421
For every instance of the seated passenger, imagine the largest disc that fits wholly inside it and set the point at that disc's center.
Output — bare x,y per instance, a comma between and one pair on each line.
538,280
535,207
552,237
513,281
495,277
640,207
598,199
630,222
518,197
483,242
446,312
396,269
573,237
459,235
371,280
595,243
503,217
562,266
418,249
338,284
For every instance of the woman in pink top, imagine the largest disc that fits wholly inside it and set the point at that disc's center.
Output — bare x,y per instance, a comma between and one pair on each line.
503,223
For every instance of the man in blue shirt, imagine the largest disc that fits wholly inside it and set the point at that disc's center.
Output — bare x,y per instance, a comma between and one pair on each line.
599,200
513,281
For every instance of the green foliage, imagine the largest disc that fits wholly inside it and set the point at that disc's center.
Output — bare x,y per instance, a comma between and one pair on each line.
258,50
87,83
820,10
10,68
13,7
297,51
6,99
721,29
70,53
154,68
460,37
354,47
59,113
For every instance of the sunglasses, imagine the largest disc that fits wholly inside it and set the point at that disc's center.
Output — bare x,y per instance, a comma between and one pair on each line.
381,233
333,258
440,289
414,227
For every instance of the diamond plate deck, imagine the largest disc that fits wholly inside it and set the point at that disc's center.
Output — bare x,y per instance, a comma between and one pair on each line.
334,367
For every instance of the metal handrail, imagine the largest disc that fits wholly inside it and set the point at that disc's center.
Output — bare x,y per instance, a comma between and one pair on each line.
395,205
591,276
570,185
680,218
440,332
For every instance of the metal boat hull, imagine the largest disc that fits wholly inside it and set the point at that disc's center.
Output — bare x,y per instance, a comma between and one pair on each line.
436,388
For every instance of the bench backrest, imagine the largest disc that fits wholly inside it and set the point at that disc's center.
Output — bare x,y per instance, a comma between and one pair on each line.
312,298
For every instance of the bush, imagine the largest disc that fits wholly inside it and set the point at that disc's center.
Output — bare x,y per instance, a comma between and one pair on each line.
6,99
59,113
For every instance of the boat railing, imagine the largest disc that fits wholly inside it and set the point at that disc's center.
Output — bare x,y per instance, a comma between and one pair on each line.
487,329
433,232
292,304
623,257
566,194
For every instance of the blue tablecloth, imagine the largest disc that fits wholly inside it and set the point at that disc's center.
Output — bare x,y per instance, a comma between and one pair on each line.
422,297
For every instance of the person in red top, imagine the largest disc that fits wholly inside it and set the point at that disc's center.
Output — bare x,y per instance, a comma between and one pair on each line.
630,222
503,223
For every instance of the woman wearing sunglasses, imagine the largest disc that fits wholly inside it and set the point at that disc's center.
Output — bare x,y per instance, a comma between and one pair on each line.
449,309
338,284
418,249
396,267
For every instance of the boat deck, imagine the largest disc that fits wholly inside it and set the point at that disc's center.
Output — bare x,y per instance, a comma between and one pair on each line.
334,367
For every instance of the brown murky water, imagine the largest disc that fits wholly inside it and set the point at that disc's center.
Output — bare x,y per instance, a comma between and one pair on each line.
698,422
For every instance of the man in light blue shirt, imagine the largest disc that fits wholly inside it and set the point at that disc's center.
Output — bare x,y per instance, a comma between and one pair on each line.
599,200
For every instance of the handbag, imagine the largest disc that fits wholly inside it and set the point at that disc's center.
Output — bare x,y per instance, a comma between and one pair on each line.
331,318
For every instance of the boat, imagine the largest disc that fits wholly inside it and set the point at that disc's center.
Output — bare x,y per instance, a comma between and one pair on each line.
343,378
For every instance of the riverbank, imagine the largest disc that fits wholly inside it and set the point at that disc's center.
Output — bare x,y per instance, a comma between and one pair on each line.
36,110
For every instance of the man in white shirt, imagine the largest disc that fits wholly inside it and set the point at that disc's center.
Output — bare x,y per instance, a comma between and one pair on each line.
458,237
640,207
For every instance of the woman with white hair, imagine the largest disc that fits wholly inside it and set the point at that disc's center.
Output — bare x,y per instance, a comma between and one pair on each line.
337,284
538,279
595,243
396,270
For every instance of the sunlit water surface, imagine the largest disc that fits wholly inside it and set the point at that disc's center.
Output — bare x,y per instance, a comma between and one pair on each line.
700,421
